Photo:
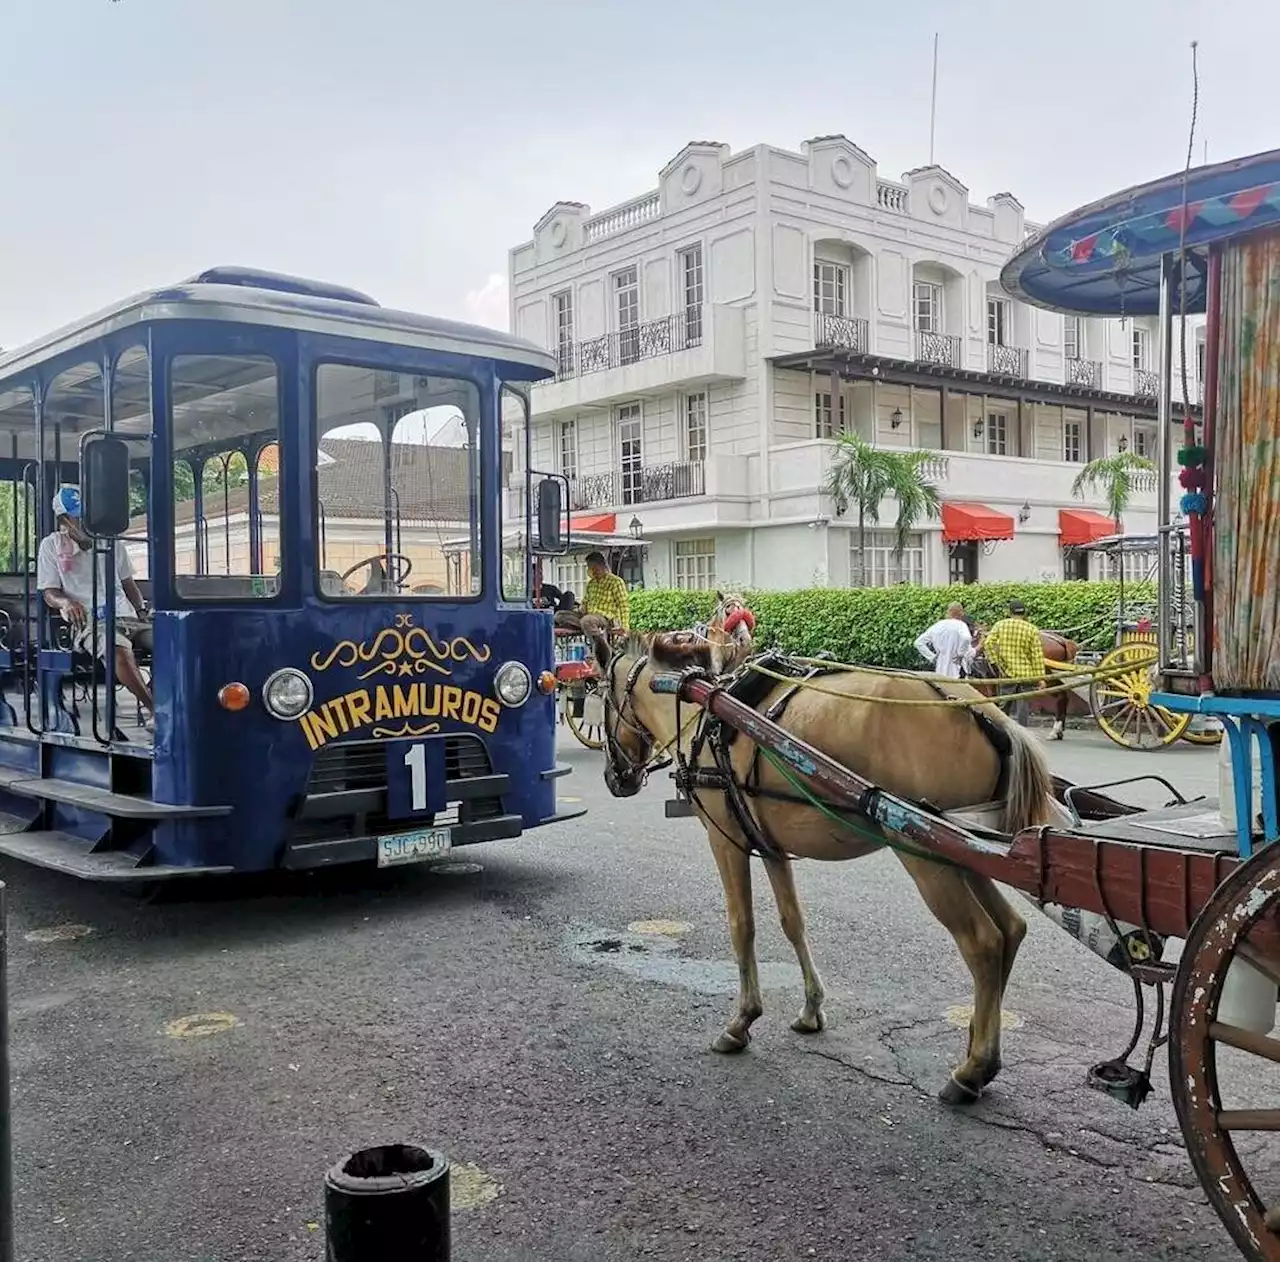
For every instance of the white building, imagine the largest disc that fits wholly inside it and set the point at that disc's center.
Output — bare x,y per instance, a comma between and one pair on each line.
716,333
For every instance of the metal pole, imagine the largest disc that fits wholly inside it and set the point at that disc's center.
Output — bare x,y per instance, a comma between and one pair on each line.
1164,452
390,1204
6,1129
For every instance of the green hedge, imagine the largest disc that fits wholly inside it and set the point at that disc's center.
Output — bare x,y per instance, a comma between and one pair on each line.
878,626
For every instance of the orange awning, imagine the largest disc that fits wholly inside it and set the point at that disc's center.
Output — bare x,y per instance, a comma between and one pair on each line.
1077,526
962,523
594,523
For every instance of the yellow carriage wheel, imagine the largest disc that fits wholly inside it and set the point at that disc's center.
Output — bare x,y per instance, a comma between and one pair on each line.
588,733
1203,735
1121,701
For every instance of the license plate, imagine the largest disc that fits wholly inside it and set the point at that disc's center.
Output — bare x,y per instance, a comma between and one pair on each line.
415,847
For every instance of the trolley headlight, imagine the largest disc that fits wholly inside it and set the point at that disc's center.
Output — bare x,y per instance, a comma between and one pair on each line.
513,683
287,693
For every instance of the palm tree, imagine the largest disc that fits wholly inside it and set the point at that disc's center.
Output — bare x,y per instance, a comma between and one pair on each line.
1114,479
863,475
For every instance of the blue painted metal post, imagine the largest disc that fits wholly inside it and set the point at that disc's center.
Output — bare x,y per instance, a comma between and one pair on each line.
6,1130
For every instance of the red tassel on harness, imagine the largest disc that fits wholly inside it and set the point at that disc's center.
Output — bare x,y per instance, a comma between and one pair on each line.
740,615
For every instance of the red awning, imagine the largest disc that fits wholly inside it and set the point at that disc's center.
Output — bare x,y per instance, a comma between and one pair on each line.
962,523
1077,526
594,523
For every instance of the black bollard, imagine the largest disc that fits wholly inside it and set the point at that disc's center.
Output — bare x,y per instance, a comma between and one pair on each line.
388,1204
6,1130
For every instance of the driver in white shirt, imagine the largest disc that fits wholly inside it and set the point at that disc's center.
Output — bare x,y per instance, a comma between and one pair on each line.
948,644
64,574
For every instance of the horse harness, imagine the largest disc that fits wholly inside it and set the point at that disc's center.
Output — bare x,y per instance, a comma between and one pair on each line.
717,738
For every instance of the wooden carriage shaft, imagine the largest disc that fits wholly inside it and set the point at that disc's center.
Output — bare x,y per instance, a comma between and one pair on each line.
1156,887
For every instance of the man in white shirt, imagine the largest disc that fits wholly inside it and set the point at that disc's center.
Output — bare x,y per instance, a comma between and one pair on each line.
64,574
947,645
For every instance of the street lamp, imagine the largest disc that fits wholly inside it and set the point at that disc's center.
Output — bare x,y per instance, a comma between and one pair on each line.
635,526
1024,513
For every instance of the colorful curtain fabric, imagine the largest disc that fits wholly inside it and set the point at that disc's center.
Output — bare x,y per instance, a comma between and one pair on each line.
1246,549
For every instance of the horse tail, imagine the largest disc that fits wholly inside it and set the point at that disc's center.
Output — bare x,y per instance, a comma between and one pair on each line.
1030,792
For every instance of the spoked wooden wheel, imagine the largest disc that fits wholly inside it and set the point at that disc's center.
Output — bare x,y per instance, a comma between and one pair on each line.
588,727
1121,702
1220,1071
1203,735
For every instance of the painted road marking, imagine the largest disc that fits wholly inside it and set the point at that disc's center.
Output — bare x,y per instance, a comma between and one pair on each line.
470,1187
201,1024
58,933
960,1014
568,799
661,928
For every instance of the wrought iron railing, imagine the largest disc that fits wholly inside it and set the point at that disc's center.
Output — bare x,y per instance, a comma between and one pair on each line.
1146,384
1084,372
1007,361
628,346
937,348
645,484
851,333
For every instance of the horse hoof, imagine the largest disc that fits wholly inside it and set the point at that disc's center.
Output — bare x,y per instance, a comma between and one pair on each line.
805,1024
957,1093
730,1044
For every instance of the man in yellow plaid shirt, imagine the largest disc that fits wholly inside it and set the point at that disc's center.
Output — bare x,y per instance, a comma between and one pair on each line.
606,596
1013,648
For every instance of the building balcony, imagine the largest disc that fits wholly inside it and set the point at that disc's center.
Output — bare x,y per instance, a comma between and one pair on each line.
1083,372
647,484
937,348
698,346
1146,384
1007,361
850,333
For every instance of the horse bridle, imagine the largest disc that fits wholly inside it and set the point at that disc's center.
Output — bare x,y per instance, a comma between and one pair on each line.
620,761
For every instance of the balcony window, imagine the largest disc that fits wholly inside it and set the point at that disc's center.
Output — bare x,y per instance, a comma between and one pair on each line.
1141,349
1072,337
825,425
630,423
997,434
927,298
696,564
626,299
570,575
998,316
830,286
695,427
691,280
883,569
562,311
569,449
1144,442
1073,442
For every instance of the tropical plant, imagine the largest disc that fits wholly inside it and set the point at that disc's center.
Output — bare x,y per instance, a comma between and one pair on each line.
1114,480
862,476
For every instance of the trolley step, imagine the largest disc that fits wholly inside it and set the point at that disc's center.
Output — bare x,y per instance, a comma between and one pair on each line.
64,853
91,798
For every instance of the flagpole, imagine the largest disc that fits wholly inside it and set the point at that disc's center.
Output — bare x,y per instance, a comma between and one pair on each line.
933,100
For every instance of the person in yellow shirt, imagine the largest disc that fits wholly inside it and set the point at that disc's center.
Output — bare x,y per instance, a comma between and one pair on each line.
605,603
1013,649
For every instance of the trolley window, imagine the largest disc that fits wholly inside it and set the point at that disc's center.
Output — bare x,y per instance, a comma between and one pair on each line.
397,478
225,414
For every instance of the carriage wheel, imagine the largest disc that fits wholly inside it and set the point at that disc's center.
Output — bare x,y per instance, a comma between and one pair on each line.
1239,923
1121,703
1203,735
587,727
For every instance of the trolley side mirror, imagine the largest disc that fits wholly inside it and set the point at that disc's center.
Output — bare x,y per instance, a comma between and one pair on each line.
104,485
553,534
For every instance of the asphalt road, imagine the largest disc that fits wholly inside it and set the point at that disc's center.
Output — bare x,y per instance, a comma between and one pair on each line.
507,1015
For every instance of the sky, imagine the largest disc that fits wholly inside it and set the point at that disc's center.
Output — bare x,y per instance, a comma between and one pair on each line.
403,146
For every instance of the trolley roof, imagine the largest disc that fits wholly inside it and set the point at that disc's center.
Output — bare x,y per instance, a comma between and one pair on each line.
248,296
1104,259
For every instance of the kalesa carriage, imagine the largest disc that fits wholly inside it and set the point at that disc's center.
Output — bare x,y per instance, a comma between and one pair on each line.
783,758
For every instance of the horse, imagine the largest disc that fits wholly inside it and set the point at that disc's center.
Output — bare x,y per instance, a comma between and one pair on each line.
1057,649
949,756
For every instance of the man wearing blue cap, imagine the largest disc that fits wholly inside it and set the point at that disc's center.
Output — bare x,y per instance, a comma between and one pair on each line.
64,573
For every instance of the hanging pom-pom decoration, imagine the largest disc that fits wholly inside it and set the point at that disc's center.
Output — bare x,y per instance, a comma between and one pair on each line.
1194,502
